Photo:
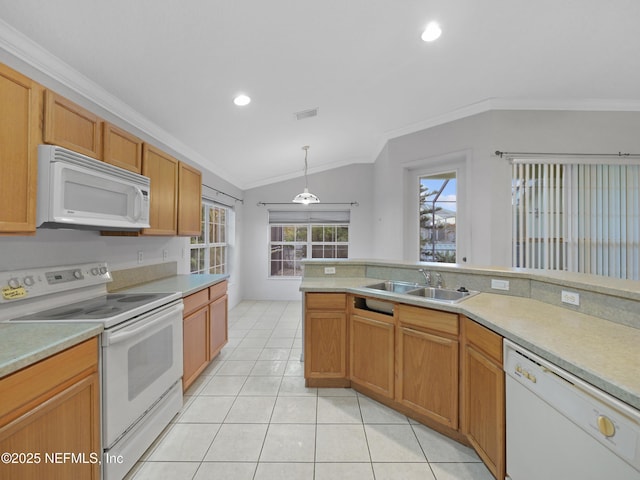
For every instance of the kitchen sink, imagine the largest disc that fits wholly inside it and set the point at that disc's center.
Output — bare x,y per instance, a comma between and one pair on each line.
393,286
442,294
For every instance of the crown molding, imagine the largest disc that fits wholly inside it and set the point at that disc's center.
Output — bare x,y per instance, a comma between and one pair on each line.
53,68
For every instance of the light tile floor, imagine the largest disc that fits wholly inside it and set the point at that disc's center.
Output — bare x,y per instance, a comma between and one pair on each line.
250,417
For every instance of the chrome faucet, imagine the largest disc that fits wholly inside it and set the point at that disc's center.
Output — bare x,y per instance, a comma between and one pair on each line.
427,276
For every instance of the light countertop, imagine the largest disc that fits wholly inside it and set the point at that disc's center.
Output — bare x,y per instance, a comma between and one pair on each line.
603,353
22,344
186,284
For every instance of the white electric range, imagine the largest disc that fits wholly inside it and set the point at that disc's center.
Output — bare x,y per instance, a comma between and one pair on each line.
141,354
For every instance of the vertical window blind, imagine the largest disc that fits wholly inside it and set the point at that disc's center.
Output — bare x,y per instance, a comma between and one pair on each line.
578,217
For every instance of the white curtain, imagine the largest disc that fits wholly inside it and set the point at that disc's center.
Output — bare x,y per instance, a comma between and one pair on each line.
579,217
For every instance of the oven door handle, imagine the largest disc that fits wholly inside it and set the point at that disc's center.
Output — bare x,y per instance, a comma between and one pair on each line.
141,326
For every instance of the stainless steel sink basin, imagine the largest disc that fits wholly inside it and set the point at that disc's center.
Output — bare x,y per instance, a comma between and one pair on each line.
393,286
441,294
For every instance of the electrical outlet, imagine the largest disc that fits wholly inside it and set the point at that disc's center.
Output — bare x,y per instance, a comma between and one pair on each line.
499,284
571,298
329,270
165,255
140,257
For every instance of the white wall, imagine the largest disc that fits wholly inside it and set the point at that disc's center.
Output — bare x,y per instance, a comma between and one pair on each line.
487,194
345,184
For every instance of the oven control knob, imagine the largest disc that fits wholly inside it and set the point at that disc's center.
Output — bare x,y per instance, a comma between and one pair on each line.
29,281
103,270
14,283
95,271
606,426
77,274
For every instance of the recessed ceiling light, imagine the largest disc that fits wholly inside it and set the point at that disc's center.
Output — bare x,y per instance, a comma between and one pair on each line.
242,100
432,32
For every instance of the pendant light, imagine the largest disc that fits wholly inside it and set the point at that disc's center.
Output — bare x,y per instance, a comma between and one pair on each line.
306,197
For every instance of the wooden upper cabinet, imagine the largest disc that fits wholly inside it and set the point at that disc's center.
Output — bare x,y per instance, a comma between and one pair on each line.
162,169
71,126
121,149
20,134
189,200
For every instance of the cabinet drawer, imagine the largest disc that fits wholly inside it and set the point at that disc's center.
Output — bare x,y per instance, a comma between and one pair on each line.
484,339
218,290
195,301
436,320
27,387
326,301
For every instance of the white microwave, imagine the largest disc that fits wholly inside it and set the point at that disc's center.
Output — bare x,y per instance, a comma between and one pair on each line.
76,191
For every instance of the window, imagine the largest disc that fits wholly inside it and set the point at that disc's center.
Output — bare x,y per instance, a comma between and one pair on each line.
209,250
297,235
438,202
578,217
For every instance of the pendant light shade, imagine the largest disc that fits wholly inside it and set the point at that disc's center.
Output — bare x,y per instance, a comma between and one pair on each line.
306,197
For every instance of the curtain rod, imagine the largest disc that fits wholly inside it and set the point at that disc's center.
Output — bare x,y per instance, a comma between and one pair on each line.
353,204
547,154
223,193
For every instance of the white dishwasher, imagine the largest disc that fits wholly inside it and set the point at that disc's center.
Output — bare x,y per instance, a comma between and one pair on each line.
560,427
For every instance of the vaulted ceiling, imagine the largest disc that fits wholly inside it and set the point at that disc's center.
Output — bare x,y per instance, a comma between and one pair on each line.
361,63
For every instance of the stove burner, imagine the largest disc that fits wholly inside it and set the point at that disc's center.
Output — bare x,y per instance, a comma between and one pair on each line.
103,311
135,298
63,312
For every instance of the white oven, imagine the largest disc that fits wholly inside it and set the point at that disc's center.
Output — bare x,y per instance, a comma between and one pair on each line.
141,357
141,369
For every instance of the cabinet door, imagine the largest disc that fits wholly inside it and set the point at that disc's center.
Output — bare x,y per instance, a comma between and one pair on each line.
195,345
71,126
121,148
484,409
189,200
217,326
483,392
428,375
162,169
371,354
325,354
67,422
20,127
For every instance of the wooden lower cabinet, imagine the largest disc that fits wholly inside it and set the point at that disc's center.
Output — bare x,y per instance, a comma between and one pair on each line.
371,352
218,308
204,330
325,340
196,345
427,363
483,395
49,408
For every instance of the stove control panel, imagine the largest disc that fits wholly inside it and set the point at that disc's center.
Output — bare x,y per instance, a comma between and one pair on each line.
35,282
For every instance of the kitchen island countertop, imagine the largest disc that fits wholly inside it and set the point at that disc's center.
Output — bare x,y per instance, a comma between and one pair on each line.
596,350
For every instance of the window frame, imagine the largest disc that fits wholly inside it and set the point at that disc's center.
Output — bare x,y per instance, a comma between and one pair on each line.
207,245
309,243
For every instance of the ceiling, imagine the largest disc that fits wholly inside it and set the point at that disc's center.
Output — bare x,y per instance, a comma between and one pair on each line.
179,64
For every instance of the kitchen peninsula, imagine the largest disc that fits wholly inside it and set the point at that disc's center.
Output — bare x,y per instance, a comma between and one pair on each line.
596,341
